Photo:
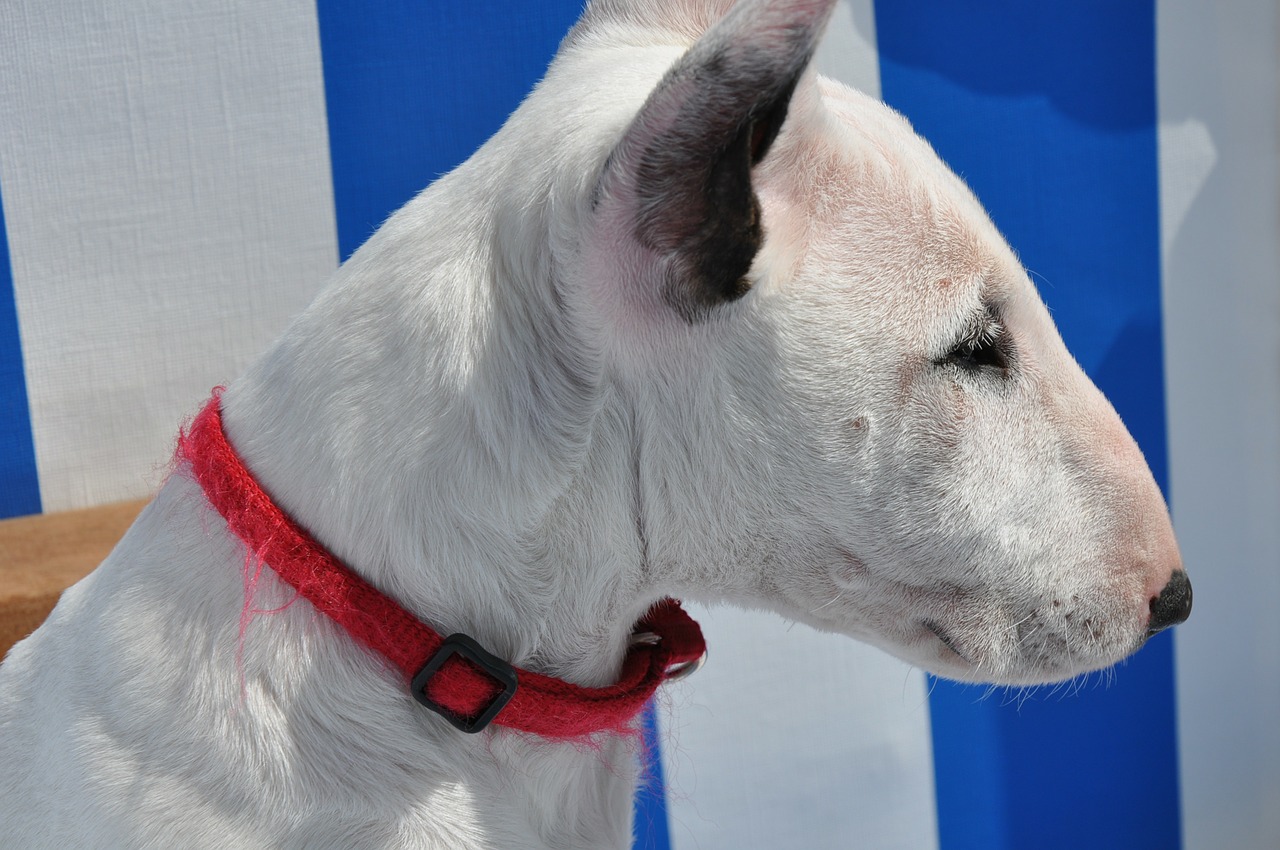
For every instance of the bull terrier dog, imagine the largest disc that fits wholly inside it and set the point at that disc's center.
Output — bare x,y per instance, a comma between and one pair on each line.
696,323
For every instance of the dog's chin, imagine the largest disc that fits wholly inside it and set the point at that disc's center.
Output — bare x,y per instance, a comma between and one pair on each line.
973,639
943,654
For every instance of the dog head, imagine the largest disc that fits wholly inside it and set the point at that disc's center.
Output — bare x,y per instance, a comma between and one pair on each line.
851,405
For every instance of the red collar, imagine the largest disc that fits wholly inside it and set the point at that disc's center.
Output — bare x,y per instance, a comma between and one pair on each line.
453,676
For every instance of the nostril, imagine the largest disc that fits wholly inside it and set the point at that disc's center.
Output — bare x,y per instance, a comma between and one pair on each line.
1172,606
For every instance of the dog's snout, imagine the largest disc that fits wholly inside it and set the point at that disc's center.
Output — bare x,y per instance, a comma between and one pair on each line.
1173,605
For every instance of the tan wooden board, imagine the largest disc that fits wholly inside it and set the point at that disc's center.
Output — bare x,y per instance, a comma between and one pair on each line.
40,556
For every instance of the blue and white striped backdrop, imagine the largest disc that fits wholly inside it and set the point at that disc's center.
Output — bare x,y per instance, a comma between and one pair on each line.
178,177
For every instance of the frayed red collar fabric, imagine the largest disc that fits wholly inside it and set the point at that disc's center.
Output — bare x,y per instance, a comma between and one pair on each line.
453,676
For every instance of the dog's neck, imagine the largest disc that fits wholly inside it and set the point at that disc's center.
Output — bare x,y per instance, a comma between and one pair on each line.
452,458
558,594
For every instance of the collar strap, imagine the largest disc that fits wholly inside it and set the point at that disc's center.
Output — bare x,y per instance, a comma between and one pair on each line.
453,676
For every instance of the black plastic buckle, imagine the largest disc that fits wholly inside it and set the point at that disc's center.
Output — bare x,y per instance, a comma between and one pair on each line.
497,669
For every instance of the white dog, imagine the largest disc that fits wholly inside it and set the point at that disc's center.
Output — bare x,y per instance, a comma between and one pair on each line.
696,322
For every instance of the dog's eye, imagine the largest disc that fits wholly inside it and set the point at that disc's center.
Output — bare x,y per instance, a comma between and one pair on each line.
977,354
985,347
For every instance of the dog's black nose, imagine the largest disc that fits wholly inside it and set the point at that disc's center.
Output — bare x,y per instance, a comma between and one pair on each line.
1172,606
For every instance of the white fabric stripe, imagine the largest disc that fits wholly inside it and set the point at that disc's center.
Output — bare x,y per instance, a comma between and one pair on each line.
168,198
848,50
793,738
788,737
1219,84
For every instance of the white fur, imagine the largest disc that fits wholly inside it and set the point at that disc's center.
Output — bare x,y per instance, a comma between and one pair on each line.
493,415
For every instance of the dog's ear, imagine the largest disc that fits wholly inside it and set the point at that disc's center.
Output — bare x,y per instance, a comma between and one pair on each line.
680,178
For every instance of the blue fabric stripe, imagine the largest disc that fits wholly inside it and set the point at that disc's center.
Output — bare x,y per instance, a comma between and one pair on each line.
411,90
19,479
652,830
1048,110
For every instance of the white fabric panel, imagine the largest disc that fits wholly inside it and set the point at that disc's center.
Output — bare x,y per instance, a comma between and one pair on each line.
793,738
788,737
168,199
848,50
1219,83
